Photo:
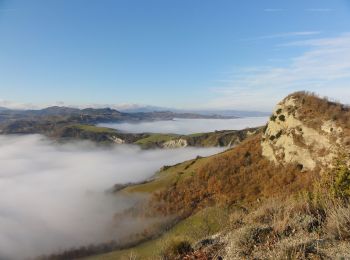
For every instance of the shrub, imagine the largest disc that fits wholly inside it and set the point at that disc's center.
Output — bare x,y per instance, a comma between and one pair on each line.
265,128
341,184
315,110
338,221
176,249
287,216
304,250
266,213
251,236
282,118
333,186
278,135
273,118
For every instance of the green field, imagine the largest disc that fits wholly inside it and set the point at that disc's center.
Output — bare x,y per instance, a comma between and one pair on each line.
94,129
155,139
200,225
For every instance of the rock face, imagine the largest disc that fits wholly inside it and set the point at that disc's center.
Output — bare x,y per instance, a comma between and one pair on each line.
177,143
117,140
289,139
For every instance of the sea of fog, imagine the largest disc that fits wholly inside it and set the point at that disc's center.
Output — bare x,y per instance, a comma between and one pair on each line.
188,126
52,196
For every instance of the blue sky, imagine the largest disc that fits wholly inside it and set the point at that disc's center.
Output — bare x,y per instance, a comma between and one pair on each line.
175,53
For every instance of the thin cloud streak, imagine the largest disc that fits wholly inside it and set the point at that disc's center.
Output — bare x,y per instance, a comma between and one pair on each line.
283,35
319,10
273,10
290,34
324,66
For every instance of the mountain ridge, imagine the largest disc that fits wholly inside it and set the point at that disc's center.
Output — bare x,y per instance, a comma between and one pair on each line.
95,115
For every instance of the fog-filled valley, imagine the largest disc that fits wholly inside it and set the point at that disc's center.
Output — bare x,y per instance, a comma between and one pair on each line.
174,130
188,126
53,196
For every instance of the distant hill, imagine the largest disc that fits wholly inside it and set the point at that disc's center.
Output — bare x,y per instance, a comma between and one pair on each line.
109,113
64,123
44,120
102,135
207,112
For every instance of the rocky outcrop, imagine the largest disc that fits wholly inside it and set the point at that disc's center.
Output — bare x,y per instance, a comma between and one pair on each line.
117,140
290,139
177,143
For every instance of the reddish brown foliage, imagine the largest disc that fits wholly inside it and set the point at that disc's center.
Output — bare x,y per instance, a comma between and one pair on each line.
315,110
241,174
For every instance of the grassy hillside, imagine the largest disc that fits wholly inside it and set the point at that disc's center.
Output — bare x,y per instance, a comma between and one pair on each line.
240,174
186,190
258,206
272,209
204,223
94,129
155,140
150,140
168,176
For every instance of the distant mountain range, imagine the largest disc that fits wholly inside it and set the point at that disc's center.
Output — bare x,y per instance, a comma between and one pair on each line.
60,121
222,112
96,115
50,119
131,108
127,113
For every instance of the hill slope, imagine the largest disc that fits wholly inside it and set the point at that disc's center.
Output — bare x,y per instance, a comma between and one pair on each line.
283,193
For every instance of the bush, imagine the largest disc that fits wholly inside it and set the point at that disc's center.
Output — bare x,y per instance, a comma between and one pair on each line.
338,221
341,183
251,236
282,118
333,186
279,134
273,118
176,249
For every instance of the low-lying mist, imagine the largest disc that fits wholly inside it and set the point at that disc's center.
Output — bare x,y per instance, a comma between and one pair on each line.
189,126
52,196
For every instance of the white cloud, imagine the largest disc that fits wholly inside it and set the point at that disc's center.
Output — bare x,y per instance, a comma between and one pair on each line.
323,68
307,10
52,196
283,35
17,105
290,34
188,126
